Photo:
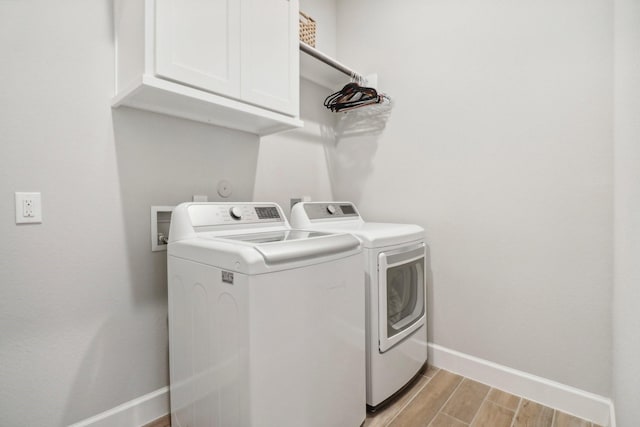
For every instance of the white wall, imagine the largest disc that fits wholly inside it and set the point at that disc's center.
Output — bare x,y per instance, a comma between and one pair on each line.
82,297
626,316
500,145
293,164
501,136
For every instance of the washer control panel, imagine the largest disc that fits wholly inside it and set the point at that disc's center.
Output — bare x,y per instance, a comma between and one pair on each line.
268,212
235,212
211,214
330,210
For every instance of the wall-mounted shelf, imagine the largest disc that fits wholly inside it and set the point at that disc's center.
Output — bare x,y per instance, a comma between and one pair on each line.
323,69
162,96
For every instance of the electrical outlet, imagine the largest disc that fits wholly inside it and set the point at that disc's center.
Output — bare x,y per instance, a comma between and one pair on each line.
28,208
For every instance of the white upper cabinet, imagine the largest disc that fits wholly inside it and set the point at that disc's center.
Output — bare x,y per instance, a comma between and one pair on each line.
198,43
233,63
270,76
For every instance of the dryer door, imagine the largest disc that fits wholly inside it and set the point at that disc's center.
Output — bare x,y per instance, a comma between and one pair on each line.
401,275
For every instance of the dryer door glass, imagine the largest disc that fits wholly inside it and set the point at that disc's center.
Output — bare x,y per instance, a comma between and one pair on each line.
402,294
405,296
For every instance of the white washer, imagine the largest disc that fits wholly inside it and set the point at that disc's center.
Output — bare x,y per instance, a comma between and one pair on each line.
395,272
266,324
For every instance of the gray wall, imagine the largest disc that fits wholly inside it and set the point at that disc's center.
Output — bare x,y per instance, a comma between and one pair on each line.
626,316
293,164
500,145
82,297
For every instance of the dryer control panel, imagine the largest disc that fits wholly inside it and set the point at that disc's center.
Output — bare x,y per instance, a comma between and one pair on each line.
330,210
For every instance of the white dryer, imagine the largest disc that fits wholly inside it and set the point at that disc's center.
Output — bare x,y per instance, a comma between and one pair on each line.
266,324
395,277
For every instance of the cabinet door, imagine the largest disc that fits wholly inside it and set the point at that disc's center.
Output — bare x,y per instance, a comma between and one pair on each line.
198,44
270,54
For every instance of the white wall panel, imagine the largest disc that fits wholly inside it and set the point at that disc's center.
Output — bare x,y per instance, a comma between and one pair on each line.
500,145
626,316
83,300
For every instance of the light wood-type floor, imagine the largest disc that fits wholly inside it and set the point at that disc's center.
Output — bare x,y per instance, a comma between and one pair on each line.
438,398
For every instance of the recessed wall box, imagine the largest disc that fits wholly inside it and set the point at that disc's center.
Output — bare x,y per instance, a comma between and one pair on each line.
160,222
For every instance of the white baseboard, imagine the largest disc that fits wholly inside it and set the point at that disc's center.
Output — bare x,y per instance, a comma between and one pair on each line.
151,406
580,403
134,413
612,409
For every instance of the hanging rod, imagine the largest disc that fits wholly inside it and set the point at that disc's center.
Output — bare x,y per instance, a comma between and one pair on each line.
329,61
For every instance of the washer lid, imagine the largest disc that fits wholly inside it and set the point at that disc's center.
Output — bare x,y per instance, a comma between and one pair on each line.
251,238
275,236
268,251
294,245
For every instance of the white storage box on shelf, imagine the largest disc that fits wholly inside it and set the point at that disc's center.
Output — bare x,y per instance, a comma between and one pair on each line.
233,64
266,324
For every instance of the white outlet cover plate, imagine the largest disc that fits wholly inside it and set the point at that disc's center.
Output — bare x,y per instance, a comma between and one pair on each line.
37,208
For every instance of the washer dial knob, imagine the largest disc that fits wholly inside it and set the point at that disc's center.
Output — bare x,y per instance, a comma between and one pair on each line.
331,209
235,212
